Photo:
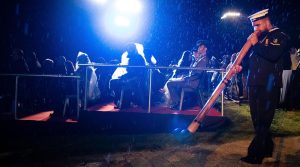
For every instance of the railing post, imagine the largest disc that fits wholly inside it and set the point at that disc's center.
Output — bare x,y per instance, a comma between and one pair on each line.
78,99
15,109
150,90
222,98
85,90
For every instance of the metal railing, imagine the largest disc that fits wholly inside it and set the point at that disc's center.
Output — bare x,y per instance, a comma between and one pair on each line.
150,69
17,76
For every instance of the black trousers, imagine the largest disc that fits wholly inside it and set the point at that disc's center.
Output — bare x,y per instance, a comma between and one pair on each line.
263,102
133,86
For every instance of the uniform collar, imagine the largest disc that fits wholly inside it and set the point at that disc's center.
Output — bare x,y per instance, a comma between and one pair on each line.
273,29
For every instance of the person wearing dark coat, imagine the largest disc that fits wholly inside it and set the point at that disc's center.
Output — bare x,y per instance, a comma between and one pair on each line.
269,46
130,80
193,79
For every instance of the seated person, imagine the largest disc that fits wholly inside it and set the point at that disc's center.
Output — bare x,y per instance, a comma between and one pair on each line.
17,63
192,80
132,80
231,90
89,73
217,75
158,78
185,61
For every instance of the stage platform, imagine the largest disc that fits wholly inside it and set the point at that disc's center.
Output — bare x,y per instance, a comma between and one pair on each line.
104,118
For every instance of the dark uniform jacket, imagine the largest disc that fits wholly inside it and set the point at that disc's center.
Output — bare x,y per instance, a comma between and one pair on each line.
267,59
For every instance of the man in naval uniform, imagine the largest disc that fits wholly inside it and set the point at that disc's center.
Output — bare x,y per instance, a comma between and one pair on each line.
269,47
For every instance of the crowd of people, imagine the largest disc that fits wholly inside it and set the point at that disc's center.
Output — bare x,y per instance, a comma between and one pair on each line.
36,93
128,87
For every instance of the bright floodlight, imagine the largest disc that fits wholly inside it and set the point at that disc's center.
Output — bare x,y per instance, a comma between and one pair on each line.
101,2
230,14
128,6
122,20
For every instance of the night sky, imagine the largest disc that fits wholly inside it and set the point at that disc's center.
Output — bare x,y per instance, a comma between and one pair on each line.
64,27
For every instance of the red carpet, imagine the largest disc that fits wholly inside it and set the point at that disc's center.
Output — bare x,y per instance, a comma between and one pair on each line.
106,119
43,116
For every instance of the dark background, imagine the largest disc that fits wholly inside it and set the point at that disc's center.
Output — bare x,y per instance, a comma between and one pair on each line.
64,27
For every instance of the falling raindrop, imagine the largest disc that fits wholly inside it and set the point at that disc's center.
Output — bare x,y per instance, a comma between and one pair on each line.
17,9
26,28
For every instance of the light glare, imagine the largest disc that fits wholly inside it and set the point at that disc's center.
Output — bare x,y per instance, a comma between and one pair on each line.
101,2
121,21
230,14
128,6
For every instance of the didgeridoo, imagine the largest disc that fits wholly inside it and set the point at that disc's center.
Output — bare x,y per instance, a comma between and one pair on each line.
192,128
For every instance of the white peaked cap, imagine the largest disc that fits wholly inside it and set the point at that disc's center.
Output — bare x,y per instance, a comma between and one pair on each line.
259,15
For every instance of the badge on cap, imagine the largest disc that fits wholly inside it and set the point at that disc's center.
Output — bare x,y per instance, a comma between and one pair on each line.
259,15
